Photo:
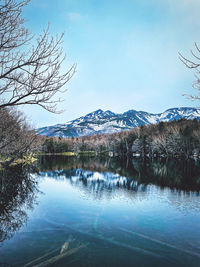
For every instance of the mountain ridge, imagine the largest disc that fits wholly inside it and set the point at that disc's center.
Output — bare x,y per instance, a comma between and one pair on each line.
106,122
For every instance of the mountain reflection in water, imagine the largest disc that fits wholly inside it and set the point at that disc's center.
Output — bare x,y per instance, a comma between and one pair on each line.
100,212
136,175
104,178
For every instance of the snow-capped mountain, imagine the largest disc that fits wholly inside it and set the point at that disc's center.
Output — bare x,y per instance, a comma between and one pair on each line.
102,122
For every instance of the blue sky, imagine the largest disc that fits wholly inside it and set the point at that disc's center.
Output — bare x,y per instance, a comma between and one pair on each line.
126,53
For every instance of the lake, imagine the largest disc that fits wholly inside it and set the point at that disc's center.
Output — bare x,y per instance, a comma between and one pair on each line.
68,211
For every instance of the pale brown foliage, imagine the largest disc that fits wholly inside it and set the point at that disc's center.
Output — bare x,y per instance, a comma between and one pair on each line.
16,136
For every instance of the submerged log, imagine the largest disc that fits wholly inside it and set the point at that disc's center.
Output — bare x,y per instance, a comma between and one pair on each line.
59,257
38,260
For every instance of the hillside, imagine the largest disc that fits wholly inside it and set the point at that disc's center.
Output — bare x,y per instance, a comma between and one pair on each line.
106,122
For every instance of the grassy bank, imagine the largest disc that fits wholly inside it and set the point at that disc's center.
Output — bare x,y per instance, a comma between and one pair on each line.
28,159
79,153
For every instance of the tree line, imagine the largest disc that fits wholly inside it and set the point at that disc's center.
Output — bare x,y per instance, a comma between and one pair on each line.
169,139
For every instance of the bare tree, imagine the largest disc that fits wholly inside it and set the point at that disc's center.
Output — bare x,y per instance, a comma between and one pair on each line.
16,136
29,74
194,63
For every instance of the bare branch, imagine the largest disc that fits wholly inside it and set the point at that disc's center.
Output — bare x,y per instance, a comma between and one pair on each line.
29,75
193,64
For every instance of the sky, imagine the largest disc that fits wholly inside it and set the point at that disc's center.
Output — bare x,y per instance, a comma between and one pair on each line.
126,53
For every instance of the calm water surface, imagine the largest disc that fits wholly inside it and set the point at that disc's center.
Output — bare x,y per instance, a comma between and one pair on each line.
100,212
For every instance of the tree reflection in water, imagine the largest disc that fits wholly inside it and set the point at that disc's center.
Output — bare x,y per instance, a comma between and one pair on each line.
18,190
96,176
108,173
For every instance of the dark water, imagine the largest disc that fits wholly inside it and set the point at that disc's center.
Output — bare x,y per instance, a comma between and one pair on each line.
100,212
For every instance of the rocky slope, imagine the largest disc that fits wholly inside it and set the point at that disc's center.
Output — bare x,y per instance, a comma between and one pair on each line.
102,122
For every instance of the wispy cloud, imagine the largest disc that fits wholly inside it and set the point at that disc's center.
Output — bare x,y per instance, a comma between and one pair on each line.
189,9
74,16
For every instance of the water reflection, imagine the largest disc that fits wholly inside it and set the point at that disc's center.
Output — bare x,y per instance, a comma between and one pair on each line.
18,191
101,211
111,174
99,177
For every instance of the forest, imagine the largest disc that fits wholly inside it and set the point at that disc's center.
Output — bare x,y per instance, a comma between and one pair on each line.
166,139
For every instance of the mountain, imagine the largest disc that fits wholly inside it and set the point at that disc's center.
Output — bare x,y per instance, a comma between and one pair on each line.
103,122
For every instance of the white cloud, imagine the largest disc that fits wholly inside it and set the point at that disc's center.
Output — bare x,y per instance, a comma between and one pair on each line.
74,16
187,9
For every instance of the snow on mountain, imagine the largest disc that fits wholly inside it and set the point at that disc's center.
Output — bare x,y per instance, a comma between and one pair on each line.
102,122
